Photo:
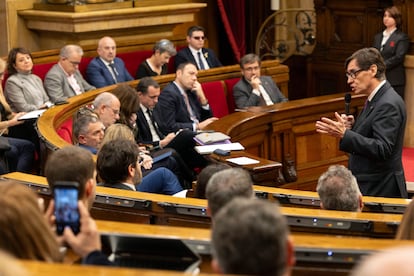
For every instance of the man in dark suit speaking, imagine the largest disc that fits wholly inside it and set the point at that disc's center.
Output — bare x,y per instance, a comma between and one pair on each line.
254,89
375,139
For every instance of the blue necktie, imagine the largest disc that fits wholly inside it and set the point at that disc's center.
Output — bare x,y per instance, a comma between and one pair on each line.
114,71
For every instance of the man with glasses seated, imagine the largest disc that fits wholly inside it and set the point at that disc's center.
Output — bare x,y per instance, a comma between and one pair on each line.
375,139
254,89
64,79
107,106
203,58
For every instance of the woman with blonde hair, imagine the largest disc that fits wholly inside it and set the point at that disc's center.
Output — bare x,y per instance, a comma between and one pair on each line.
24,231
18,153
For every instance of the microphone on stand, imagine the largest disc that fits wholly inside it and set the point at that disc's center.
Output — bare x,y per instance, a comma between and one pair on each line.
347,103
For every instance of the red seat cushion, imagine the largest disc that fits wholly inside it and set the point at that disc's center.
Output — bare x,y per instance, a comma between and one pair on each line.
84,65
216,97
65,130
41,69
133,59
229,89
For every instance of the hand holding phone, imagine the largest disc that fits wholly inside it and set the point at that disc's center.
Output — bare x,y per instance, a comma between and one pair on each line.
66,196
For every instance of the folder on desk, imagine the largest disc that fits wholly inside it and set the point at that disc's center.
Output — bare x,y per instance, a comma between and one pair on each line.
207,149
207,138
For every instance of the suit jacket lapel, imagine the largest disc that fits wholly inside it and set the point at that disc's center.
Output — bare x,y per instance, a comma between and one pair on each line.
191,57
207,57
143,122
371,105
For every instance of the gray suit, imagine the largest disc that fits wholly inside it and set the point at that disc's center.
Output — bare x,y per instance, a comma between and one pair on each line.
243,96
25,92
58,87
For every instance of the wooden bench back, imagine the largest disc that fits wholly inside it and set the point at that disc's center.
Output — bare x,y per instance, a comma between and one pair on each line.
130,206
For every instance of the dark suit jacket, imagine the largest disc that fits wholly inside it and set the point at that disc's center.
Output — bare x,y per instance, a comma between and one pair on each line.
393,53
183,144
172,110
375,145
185,55
144,132
243,96
98,73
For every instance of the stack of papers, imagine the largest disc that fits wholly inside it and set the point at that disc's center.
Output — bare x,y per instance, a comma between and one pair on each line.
243,161
208,138
32,115
226,146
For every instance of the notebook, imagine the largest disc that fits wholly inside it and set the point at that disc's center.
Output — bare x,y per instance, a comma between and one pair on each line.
149,252
206,138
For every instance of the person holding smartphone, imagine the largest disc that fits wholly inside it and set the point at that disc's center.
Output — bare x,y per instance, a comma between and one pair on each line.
75,164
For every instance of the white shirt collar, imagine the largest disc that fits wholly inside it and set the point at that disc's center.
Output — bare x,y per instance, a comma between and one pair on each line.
132,186
373,93
194,51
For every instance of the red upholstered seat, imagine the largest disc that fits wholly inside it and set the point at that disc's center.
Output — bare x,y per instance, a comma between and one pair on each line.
84,65
216,96
229,88
65,130
41,70
133,59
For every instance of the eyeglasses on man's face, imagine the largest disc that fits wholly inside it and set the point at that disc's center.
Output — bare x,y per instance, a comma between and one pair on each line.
353,74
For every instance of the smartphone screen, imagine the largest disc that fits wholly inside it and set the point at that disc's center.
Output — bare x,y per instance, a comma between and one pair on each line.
66,206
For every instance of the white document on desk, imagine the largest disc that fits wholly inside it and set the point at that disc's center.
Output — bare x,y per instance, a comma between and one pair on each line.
32,115
243,161
210,148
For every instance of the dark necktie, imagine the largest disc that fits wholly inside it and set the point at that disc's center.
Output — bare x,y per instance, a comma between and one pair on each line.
200,62
366,107
114,71
154,124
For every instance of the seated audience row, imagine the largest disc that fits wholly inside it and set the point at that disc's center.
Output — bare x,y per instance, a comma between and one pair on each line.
243,228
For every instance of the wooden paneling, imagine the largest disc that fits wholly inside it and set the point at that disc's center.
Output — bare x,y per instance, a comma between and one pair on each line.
291,132
342,28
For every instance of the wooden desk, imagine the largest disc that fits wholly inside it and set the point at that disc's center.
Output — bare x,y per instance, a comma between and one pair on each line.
139,207
266,172
308,199
42,268
287,129
315,254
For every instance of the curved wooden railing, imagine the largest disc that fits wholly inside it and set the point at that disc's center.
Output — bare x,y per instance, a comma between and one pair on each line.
50,121
284,131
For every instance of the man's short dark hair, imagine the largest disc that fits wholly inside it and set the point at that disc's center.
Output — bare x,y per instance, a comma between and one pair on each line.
146,82
205,175
70,163
225,185
193,29
114,159
181,66
366,57
250,236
